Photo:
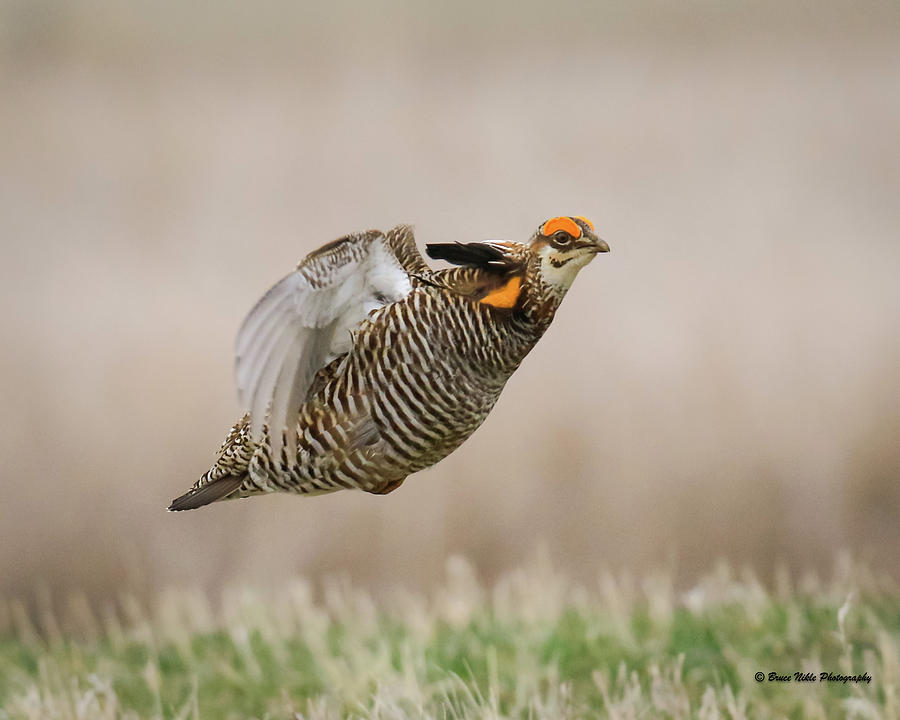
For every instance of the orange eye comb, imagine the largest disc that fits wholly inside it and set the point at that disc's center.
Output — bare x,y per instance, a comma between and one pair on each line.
585,221
561,223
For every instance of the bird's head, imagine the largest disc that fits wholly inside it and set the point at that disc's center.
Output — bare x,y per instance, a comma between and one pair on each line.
564,245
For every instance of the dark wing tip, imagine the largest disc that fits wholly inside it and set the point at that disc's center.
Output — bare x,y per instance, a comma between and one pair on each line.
472,254
209,493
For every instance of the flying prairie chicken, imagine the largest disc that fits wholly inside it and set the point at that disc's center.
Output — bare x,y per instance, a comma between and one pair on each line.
364,365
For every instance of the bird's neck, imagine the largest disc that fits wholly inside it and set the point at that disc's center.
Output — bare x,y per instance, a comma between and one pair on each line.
541,298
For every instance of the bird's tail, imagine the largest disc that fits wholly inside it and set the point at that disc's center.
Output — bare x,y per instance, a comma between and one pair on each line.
199,496
227,474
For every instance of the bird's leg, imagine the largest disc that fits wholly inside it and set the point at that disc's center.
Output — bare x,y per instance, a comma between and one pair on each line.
388,487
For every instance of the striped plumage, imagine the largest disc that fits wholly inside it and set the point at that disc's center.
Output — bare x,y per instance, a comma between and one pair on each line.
372,366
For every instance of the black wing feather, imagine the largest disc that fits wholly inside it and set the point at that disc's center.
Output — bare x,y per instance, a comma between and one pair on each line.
472,254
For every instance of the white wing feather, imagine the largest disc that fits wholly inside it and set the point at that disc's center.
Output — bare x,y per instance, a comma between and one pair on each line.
304,322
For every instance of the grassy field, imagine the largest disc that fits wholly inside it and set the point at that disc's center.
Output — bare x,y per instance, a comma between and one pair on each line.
531,646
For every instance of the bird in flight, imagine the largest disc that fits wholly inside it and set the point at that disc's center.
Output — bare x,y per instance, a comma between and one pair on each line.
364,365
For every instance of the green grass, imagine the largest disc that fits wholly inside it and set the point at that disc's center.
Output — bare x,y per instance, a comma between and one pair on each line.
531,646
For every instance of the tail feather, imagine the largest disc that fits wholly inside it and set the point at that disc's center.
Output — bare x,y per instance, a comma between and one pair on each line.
206,494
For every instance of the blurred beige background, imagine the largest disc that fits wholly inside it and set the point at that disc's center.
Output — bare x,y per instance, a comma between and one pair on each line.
725,383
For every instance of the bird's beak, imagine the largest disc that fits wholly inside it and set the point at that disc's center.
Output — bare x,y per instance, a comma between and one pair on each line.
600,246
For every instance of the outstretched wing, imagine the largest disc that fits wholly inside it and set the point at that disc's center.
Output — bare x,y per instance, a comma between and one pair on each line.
305,320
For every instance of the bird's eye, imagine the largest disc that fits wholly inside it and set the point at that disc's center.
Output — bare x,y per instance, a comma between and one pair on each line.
562,237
